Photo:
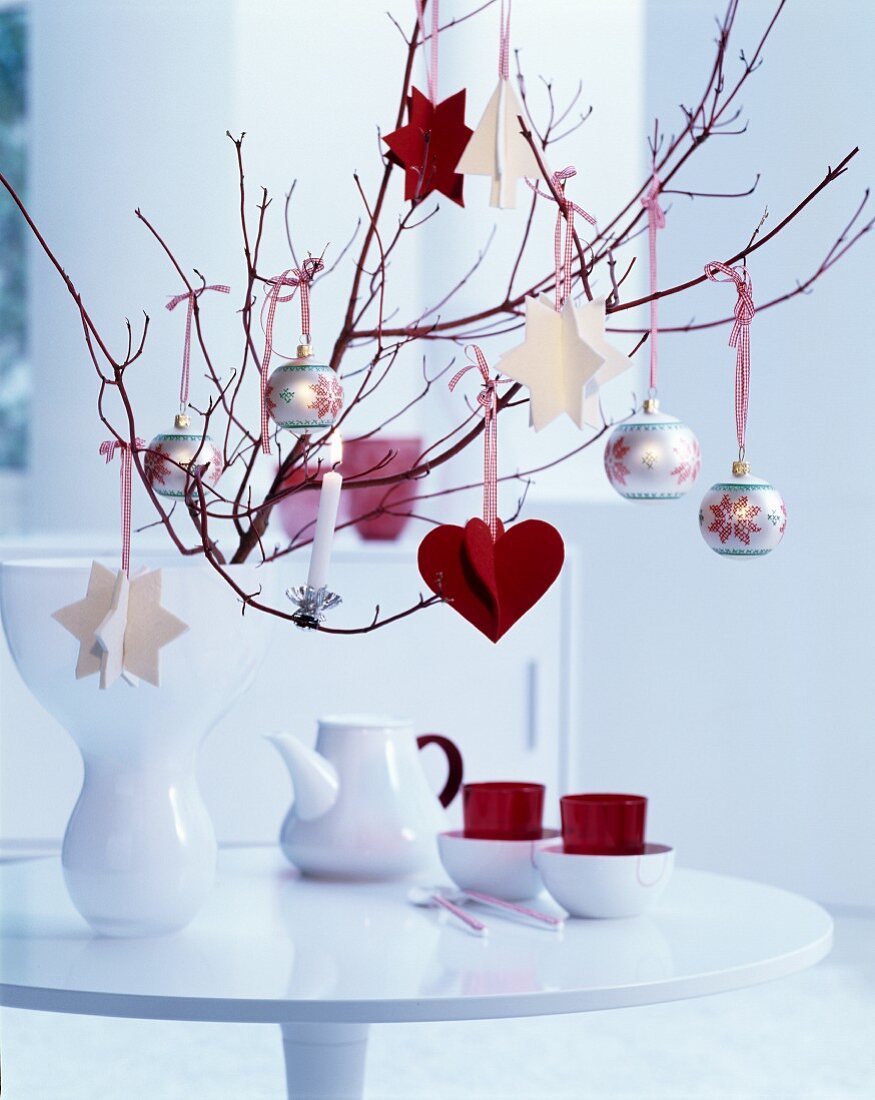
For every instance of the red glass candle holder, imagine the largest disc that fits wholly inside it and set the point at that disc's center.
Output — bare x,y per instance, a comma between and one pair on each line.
297,511
379,456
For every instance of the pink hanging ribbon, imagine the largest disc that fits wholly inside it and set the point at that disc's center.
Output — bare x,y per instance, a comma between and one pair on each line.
739,338
488,400
189,296
563,252
108,448
298,279
431,67
504,41
655,222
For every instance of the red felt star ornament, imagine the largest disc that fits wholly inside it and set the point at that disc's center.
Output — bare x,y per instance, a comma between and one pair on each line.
430,146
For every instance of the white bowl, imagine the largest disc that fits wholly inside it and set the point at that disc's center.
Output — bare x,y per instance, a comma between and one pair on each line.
605,886
504,868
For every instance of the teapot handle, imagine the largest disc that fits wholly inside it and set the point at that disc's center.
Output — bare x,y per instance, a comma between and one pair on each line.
454,762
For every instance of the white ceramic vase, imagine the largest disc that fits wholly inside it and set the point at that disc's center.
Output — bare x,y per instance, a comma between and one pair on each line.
139,852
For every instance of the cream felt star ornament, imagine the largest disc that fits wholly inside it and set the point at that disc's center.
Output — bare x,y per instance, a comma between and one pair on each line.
591,326
110,634
498,148
83,618
150,627
553,361
121,626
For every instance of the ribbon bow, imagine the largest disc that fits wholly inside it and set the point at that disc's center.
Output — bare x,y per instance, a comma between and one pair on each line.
650,202
190,296
655,222
566,209
108,448
297,279
487,398
558,180
739,338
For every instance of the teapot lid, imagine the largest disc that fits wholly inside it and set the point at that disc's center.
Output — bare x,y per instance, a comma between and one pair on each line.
363,722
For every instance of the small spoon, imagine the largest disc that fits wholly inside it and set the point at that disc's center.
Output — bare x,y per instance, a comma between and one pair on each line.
547,919
432,899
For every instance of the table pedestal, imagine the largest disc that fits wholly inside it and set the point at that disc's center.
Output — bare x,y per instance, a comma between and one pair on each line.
325,1061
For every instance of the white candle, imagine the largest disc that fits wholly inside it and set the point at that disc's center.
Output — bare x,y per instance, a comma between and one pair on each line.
329,500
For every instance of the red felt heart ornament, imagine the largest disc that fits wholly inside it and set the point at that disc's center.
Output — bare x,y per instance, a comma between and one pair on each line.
492,584
448,572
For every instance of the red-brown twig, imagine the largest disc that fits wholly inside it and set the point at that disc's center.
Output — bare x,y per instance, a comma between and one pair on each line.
377,348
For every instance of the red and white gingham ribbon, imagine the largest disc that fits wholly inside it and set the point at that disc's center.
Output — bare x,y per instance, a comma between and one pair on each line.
739,338
431,66
504,41
189,296
488,400
655,222
563,252
108,448
298,279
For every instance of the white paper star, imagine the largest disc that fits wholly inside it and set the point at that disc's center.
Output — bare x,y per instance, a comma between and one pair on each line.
84,617
498,149
150,627
591,326
553,361
121,626
110,634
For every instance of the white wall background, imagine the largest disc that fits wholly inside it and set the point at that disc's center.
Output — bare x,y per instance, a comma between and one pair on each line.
738,693
130,107
158,141
733,693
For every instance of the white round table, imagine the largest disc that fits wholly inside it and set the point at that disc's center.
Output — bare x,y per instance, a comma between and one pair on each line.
325,960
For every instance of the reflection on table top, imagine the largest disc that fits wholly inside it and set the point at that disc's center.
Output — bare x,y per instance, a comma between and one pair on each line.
271,946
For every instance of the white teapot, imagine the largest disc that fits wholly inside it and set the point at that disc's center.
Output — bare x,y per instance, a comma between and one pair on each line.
363,808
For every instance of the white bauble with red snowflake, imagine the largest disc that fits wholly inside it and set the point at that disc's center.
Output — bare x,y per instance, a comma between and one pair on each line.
652,456
302,395
170,455
743,517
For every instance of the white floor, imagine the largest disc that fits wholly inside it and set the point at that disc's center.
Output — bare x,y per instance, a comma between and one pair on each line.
812,1035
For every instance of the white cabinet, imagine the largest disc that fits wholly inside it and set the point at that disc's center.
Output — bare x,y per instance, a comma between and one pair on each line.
506,706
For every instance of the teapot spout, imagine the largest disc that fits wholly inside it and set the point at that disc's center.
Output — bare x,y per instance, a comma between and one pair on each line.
314,779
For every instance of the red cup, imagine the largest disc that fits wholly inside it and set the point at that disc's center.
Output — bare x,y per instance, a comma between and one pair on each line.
503,811
603,824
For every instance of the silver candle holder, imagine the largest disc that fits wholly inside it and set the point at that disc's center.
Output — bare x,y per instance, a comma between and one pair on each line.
312,603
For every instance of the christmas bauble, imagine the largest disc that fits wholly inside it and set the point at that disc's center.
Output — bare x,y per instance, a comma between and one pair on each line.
652,456
743,517
181,445
302,394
